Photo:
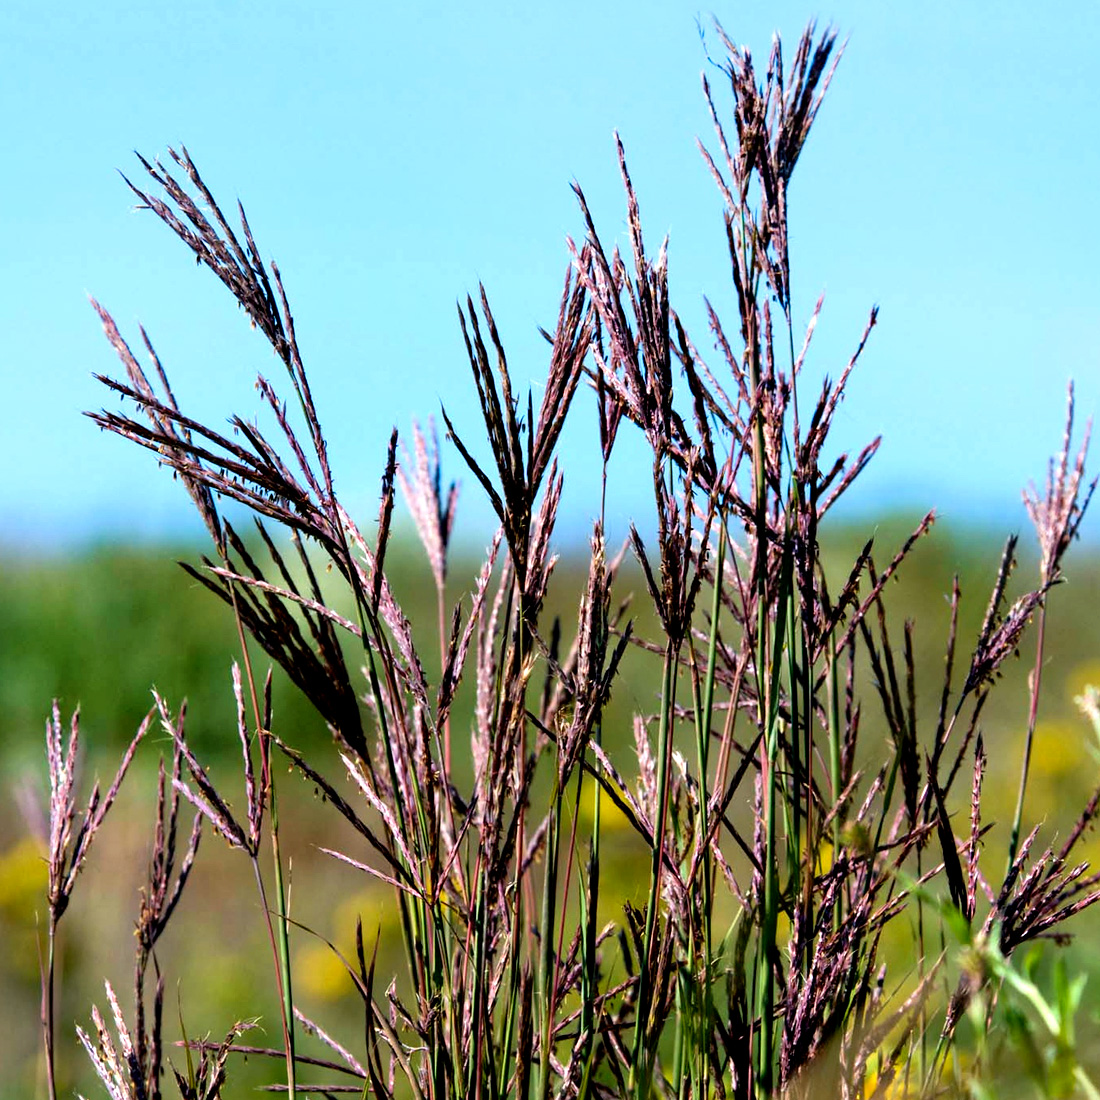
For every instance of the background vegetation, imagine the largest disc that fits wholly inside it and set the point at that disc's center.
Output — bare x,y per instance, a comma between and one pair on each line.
98,627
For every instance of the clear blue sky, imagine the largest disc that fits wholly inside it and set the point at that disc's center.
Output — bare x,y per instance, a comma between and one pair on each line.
391,156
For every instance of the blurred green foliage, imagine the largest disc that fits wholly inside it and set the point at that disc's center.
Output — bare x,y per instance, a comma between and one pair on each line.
103,627
100,628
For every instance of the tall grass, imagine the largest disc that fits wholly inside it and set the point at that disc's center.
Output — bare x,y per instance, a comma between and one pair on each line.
784,844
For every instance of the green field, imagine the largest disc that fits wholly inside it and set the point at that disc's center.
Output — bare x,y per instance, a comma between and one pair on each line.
101,627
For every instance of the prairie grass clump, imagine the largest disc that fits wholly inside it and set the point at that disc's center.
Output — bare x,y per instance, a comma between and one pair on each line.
783,844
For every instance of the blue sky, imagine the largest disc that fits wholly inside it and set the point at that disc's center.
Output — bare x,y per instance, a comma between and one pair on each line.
390,157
